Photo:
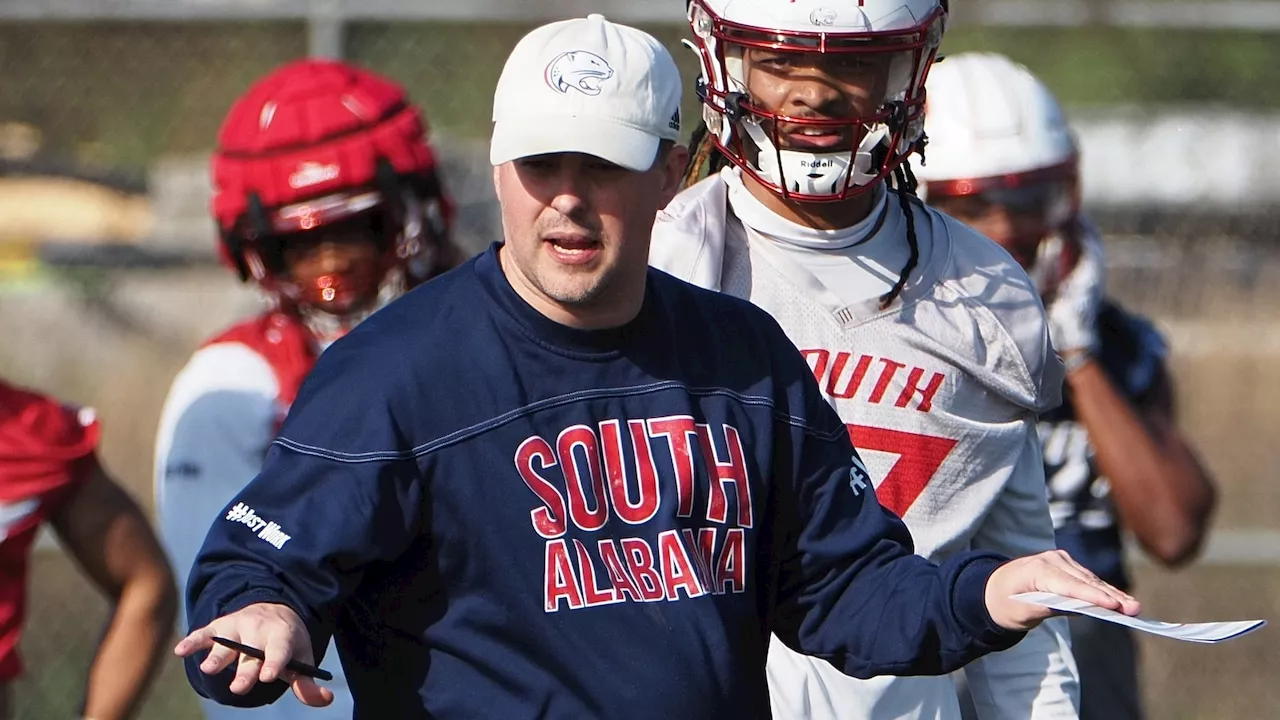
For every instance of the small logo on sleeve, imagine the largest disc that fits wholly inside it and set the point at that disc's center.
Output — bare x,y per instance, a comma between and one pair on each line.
264,529
859,478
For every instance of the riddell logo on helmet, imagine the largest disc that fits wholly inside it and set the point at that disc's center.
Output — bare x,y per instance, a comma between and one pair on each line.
312,173
823,17
820,164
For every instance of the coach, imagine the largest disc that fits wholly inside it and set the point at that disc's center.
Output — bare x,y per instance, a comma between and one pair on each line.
555,483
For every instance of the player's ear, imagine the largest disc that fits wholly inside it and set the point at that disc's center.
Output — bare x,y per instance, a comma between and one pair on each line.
674,161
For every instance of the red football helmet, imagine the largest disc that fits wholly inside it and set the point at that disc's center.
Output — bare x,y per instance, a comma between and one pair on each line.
322,149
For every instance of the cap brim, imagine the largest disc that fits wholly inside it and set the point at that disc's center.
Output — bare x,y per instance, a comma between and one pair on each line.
619,144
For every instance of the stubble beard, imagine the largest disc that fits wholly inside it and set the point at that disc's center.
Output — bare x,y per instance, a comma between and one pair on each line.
581,288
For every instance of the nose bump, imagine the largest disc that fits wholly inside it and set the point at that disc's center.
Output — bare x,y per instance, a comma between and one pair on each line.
569,197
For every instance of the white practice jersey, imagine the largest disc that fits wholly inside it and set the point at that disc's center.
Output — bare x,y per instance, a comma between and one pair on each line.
221,415
941,394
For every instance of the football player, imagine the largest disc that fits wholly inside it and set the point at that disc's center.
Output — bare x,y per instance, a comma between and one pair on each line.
50,472
1003,159
328,199
930,342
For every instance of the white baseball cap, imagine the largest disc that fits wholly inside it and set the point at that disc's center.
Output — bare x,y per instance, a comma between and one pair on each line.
589,86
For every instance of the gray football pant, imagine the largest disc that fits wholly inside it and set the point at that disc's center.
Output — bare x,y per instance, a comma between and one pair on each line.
1108,660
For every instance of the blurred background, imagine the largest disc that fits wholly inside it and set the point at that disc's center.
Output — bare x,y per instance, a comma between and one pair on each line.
108,280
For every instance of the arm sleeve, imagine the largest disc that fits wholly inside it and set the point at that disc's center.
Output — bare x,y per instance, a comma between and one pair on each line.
850,589
1037,678
340,489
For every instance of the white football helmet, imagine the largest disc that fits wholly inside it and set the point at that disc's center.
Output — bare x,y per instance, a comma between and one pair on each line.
903,33
989,117
997,136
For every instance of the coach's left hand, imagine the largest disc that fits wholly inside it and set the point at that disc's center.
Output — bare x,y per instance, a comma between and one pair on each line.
1056,572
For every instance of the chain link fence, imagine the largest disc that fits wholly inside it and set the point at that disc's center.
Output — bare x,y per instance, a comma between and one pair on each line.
108,283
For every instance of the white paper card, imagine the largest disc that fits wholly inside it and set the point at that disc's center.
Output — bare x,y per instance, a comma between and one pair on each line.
1206,632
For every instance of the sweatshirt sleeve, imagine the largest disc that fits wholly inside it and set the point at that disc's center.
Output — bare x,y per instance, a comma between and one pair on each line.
340,489
850,589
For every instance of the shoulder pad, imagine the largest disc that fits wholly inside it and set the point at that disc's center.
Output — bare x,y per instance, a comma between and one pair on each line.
40,441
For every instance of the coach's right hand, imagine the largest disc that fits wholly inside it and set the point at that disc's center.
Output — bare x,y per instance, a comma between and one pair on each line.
276,629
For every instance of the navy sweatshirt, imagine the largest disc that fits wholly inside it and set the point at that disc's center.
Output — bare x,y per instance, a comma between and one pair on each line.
499,516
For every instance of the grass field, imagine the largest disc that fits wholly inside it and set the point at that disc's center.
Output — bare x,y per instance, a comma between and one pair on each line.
1183,681
65,620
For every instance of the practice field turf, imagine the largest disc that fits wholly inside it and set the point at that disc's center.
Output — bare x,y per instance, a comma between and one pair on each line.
1182,680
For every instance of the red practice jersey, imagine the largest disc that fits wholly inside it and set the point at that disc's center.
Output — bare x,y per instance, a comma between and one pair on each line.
46,451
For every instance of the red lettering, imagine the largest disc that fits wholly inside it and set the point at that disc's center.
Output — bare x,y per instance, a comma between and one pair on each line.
913,387
677,430
677,570
829,370
891,368
732,565
734,471
571,439
703,551
919,457
855,379
646,505
817,360
548,520
561,583
590,589
622,581
640,561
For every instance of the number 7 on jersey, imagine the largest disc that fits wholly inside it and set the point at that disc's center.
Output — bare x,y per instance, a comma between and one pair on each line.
919,457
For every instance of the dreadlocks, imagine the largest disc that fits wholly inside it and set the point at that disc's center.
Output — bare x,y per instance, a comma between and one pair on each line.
905,188
705,159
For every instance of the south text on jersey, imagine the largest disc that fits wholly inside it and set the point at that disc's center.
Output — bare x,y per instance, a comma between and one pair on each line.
876,380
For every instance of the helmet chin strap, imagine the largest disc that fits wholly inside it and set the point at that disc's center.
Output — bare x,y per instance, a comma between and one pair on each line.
814,173
802,173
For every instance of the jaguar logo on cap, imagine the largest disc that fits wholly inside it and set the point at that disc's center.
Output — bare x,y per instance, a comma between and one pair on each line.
578,70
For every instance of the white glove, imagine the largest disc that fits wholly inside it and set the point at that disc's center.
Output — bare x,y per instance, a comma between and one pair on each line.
1073,309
